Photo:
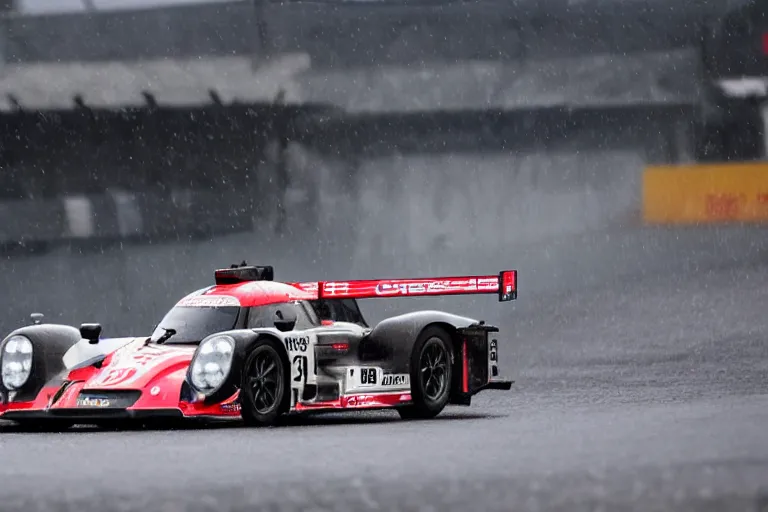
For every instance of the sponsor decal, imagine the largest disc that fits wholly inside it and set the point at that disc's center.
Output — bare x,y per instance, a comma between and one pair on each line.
393,379
436,286
375,377
93,401
144,358
724,206
375,400
385,289
209,301
335,288
297,344
300,363
368,376
130,362
731,206
231,407
489,284
307,287
360,400
155,391
114,376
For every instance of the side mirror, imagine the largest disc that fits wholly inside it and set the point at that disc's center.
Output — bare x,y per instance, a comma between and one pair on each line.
285,319
90,332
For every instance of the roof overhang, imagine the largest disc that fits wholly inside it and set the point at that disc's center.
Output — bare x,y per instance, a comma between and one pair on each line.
587,81
361,56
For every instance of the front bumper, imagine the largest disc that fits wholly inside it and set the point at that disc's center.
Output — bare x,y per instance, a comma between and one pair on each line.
61,403
86,415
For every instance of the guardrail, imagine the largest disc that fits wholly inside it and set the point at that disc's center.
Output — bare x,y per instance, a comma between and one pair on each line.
121,215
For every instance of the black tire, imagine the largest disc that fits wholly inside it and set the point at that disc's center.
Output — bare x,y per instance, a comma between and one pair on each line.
433,349
264,387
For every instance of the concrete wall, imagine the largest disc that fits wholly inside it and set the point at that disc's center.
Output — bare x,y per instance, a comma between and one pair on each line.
566,221
413,215
454,201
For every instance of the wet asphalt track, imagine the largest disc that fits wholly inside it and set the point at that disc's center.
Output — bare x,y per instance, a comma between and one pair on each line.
647,391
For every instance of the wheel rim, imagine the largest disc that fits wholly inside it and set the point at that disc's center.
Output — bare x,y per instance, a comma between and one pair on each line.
265,381
434,369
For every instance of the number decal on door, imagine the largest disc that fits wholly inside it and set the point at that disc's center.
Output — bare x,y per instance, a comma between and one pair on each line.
368,376
300,362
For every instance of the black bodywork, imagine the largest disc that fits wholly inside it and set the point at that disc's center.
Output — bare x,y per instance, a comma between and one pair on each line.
50,342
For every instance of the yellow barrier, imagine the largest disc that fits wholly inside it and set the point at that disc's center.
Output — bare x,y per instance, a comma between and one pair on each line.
710,193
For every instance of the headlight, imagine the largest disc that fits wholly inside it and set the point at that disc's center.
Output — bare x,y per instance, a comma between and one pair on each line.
212,363
16,361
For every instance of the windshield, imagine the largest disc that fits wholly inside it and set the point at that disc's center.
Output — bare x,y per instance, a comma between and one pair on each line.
193,324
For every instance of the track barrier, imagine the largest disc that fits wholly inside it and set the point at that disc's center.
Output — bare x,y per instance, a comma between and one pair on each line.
706,194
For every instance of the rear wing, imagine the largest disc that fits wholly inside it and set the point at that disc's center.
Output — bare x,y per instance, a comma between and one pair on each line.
504,285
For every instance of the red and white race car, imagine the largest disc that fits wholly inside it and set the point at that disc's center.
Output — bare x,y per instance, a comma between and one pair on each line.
252,348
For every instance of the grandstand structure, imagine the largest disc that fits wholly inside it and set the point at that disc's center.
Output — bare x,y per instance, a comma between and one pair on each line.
135,116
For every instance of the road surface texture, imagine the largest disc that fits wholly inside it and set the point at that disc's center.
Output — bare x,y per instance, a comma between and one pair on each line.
646,390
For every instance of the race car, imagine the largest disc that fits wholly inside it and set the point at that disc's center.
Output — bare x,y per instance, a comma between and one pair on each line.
251,348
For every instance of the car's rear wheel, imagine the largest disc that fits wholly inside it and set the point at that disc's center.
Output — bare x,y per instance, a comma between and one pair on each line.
263,387
431,374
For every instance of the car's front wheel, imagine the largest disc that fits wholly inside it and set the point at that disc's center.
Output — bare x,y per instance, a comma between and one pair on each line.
431,373
263,388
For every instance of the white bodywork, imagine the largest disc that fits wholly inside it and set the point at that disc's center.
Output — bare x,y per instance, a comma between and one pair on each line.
354,380
83,350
